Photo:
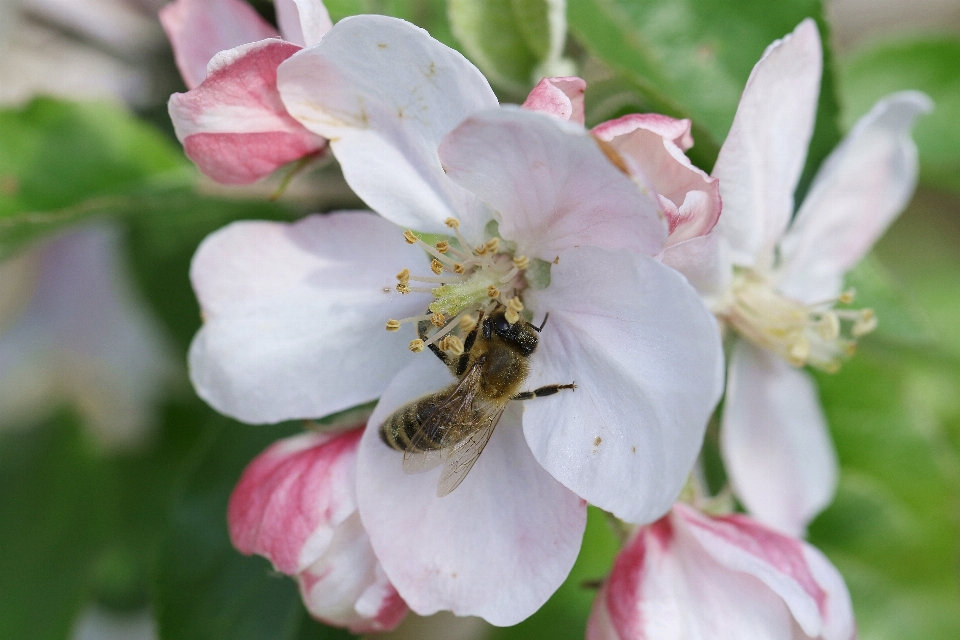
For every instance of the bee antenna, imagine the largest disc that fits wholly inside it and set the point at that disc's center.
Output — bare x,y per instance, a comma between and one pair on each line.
542,324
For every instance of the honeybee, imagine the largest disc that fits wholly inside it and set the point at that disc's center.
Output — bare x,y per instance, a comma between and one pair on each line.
454,425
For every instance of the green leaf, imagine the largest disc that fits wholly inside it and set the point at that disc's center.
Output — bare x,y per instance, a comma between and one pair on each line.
931,65
692,58
206,590
510,40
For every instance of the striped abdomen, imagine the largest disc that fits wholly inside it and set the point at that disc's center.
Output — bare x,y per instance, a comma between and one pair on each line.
398,430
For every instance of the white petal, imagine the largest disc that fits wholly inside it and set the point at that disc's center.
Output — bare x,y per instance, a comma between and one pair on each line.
551,184
775,442
83,337
303,22
860,189
700,261
386,93
497,547
646,356
763,155
295,314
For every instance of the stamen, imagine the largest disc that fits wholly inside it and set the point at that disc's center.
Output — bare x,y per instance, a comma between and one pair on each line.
393,325
847,296
829,326
493,245
403,288
404,276
480,249
510,275
437,320
453,344
453,223
521,262
467,324
436,266
417,345
410,237
865,324
443,246
458,267
444,331
493,292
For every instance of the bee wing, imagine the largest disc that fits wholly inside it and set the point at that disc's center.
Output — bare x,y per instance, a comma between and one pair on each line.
465,453
426,450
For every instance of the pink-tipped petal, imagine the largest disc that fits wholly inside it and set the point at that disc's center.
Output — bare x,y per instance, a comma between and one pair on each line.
694,576
295,313
775,441
199,29
652,146
646,357
496,547
303,22
860,189
293,496
561,97
234,125
386,94
551,183
762,158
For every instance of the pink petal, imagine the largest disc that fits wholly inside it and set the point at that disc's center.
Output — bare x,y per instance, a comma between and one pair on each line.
295,504
646,356
303,22
293,496
295,313
497,547
693,576
860,189
234,125
562,97
386,94
199,29
652,146
551,184
775,443
763,155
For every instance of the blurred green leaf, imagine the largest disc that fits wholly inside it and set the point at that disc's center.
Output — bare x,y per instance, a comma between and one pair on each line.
509,40
565,614
929,64
206,590
692,58
429,14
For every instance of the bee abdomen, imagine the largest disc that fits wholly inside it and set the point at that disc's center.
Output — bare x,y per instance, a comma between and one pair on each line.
398,430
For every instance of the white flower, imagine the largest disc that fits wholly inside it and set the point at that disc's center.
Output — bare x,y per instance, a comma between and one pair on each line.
295,317
775,283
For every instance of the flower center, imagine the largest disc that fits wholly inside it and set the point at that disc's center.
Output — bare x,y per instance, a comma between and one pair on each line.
802,334
465,283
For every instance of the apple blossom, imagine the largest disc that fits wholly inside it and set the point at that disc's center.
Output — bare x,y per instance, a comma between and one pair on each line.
232,122
690,575
71,330
296,505
533,216
774,283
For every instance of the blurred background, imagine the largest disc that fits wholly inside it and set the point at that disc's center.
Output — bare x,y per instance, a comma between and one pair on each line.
114,477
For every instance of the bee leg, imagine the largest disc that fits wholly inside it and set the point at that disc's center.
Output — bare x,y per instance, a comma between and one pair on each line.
547,390
422,327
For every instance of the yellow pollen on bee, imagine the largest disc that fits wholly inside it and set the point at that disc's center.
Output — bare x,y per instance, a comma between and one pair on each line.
493,292
393,325
521,262
453,223
417,345
443,246
437,319
436,266
467,324
410,237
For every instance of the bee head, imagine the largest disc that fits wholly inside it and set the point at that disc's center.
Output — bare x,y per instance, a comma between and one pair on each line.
521,335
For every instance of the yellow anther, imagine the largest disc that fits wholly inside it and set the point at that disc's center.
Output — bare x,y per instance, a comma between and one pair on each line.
403,288
467,324
436,266
458,268
829,326
443,246
512,316
799,352
437,319
453,344
404,276
866,323
410,237
393,325
493,292
480,249
453,223
417,345
521,262
847,296
515,304
493,245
